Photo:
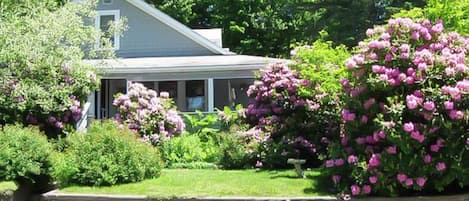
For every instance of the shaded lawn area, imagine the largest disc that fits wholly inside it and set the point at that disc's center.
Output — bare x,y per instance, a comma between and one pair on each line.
6,186
218,183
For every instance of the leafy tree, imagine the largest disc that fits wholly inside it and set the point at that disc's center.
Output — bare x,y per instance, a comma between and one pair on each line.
268,27
454,14
43,80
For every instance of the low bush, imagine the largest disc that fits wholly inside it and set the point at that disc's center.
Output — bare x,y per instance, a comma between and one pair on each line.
193,165
25,154
189,148
106,155
236,151
406,112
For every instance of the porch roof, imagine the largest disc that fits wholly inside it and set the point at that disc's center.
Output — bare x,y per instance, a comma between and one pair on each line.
181,64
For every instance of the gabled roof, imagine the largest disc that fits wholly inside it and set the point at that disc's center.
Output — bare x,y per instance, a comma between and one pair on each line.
179,27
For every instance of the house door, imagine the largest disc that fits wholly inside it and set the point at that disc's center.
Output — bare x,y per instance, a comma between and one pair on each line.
109,88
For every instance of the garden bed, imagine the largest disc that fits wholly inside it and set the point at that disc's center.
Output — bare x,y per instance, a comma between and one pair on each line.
218,183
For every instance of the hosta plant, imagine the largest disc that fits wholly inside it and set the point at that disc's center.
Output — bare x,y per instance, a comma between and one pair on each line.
154,118
406,112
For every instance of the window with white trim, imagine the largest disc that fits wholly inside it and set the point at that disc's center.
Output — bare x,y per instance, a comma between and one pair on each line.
105,19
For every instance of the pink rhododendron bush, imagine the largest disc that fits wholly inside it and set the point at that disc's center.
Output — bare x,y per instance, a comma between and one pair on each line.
154,118
287,118
406,112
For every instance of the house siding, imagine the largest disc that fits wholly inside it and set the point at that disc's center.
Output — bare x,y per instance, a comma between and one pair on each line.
148,37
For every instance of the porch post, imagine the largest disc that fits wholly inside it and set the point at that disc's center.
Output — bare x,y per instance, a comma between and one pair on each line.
211,95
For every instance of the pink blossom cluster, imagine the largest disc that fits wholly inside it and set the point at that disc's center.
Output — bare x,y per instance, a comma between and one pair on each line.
154,118
407,103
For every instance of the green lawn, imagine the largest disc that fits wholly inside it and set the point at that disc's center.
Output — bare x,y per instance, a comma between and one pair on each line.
185,182
5,186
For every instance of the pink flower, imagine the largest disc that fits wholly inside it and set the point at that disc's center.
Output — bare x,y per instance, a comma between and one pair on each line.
336,179
456,114
373,179
412,101
429,105
434,148
339,162
369,103
364,119
366,189
347,115
427,159
329,163
355,189
360,140
401,177
409,182
417,136
440,166
391,150
374,161
350,63
449,105
421,181
352,159
408,127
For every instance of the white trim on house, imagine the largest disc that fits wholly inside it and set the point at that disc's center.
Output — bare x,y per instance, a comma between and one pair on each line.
190,64
116,14
181,28
210,95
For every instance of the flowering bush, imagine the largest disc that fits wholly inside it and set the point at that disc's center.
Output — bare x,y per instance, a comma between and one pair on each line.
43,80
406,112
286,114
154,118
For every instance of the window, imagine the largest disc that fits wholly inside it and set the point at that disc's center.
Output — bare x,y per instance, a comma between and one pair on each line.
107,2
169,86
104,20
195,95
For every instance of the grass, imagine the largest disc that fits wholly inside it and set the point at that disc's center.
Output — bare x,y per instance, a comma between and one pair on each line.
219,183
6,186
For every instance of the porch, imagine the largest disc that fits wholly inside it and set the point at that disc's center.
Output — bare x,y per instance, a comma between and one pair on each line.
194,83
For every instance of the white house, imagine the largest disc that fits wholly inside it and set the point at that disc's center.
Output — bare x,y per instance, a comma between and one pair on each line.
166,55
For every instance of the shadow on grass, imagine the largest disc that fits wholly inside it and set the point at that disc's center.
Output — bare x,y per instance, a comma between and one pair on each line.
320,184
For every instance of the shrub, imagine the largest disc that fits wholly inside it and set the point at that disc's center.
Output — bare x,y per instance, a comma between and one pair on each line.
189,148
193,165
291,113
406,112
25,154
154,118
106,155
237,151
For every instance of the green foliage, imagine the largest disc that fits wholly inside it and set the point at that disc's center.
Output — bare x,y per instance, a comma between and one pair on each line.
41,69
322,64
235,152
193,165
269,27
25,154
201,123
454,14
106,155
189,148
